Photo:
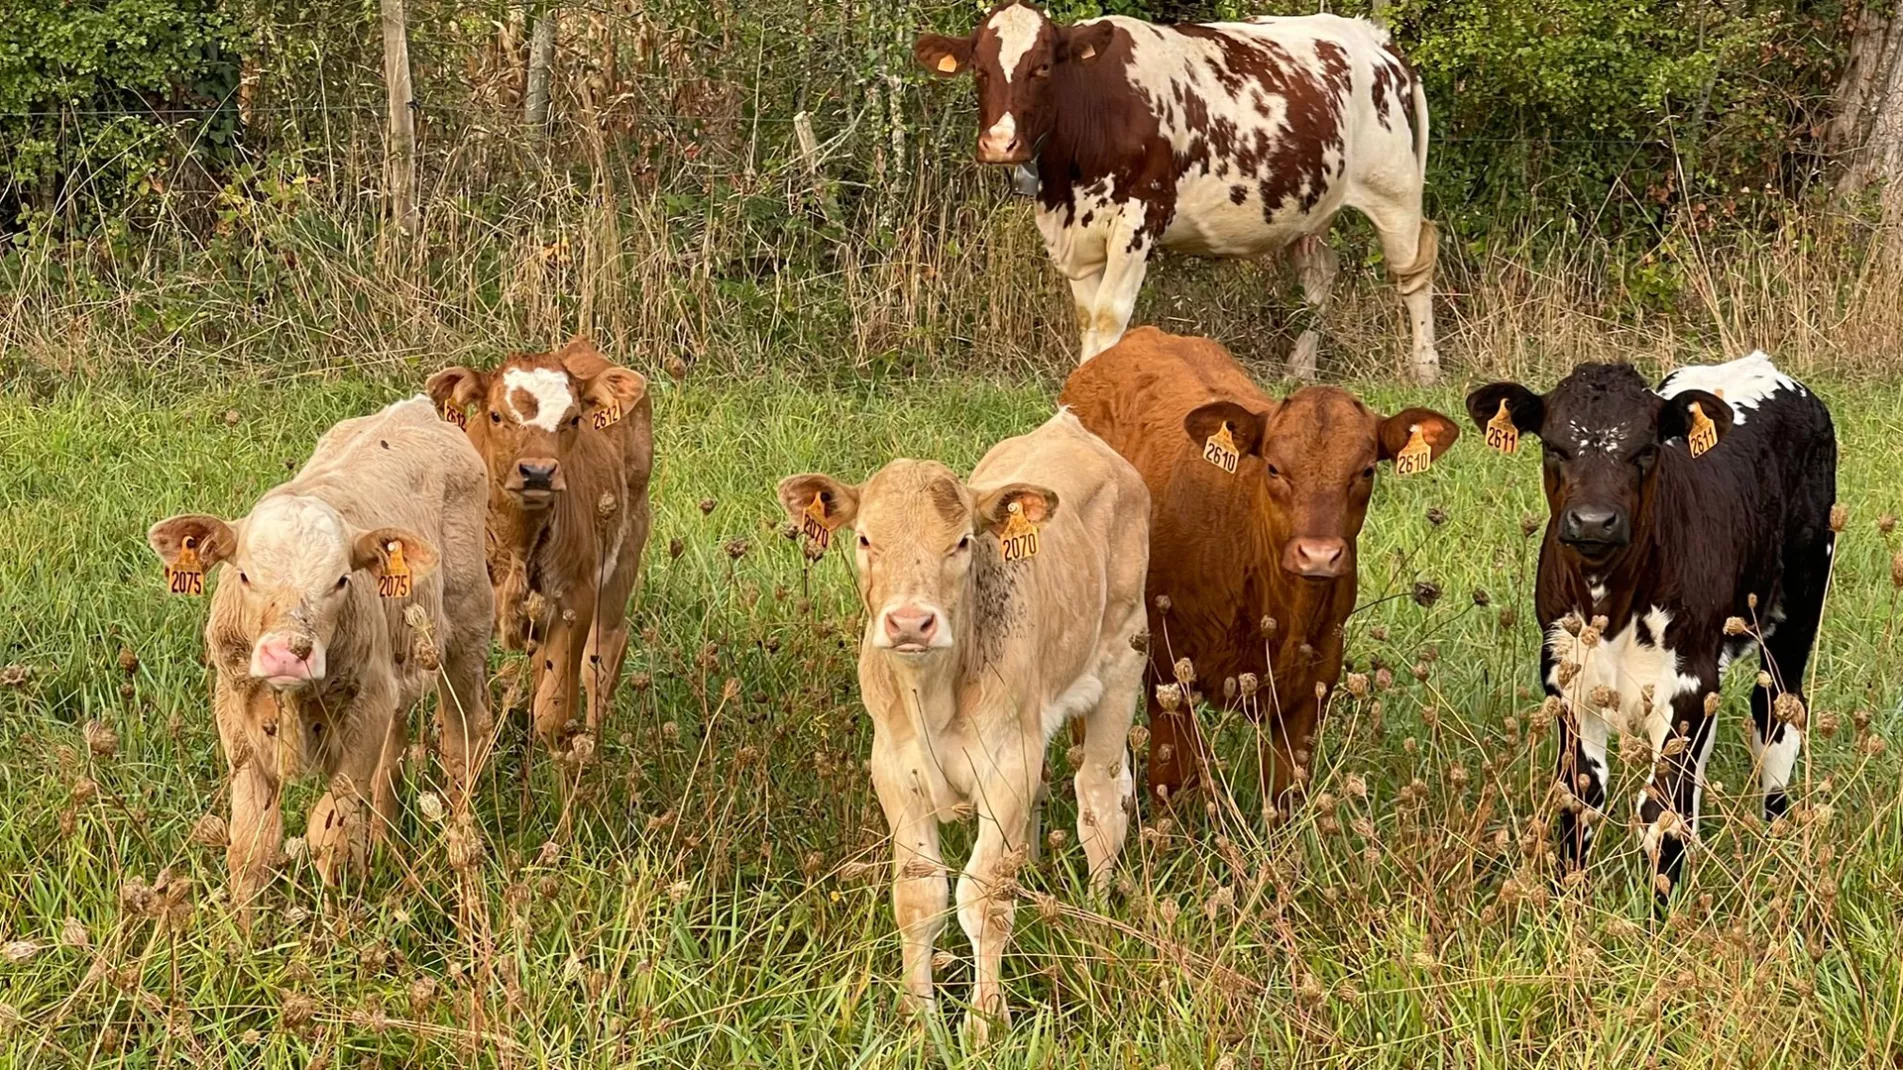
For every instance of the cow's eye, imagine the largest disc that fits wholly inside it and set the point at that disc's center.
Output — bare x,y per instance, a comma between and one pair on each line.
1043,71
495,417
1274,471
1368,472
342,582
865,543
244,579
964,542
1645,457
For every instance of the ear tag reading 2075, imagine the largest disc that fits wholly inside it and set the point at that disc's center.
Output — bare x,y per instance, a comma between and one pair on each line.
1220,450
1501,434
1704,433
395,580
814,525
1415,457
186,575
1018,540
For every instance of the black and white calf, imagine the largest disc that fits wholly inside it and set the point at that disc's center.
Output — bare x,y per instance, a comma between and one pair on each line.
1650,548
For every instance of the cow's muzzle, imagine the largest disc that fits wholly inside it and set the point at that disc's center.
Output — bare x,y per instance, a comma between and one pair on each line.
1000,143
1594,532
1316,559
287,660
911,628
535,480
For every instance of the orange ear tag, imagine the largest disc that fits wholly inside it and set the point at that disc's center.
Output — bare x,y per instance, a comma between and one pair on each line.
608,417
394,581
186,575
453,413
947,64
1018,540
1501,434
1704,434
1220,450
1415,457
816,527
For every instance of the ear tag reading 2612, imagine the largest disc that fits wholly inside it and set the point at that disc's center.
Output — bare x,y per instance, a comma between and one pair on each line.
394,581
1220,450
1415,457
1018,540
1704,433
816,528
453,413
186,575
608,417
1501,434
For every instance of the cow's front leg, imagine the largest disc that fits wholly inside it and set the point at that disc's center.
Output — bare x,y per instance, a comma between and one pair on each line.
988,889
255,835
558,688
341,825
1126,258
1581,778
919,885
1668,807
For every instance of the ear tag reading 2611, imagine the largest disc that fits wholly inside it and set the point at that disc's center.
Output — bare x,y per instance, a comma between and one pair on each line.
1018,540
1220,450
186,575
394,581
1501,434
1415,457
1704,433
816,528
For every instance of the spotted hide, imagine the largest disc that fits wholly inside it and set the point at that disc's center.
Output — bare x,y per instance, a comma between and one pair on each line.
1235,139
1649,551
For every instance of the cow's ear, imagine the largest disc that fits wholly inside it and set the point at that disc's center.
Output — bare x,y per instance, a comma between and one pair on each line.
211,539
581,359
1526,409
838,502
371,550
944,56
1037,504
1085,42
1398,430
456,388
1676,419
1247,429
614,393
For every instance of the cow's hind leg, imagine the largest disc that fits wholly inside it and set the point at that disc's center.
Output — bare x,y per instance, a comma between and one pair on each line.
1317,266
1668,807
1412,247
462,712
1777,741
1105,786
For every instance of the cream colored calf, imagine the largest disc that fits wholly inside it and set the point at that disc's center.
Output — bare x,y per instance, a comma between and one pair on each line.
999,609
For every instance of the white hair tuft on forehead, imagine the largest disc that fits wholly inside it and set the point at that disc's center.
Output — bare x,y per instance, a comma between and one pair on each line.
547,386
1017,28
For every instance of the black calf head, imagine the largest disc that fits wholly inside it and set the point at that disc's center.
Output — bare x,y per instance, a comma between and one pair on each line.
1601,430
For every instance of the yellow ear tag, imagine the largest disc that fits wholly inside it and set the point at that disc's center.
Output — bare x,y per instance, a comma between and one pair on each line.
394,580
1090,52
1220,450
608,417
817,529
1018,540
1704,433
186,575
1501,434
453,413
1415,457
947,64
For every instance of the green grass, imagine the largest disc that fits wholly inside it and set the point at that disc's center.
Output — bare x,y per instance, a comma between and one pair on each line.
707,904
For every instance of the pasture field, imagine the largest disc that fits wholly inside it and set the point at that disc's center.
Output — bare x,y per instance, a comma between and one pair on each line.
706,884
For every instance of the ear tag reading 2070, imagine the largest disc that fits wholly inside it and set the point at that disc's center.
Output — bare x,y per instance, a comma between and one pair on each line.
186,575
1018,540
814,525
1415,457
1704,433
1220,450
1501,434
394,581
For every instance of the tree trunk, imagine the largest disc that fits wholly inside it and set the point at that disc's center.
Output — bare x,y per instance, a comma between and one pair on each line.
402,148
541,67
1866,132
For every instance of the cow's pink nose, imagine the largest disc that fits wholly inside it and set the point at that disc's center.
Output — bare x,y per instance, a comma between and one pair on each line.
910,626
275,659
1317,558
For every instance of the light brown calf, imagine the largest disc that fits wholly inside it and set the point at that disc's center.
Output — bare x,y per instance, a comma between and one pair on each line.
568,440
983,638
314,634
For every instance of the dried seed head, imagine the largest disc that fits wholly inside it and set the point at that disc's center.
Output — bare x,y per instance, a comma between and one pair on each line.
1508,618
1529,523
1426,593
675,548
1248,683
297,1010
1358,684
1571,623
1169,696
1604,697
1735,626
74,934
607,505
128,660
1229,689
101,740
1789,709
1321,691
1481,597
1896,577
1383,678
211,831
1886,523
1268,627
1839,516
707,506
1568,669
1163,604
1589,637
1711,703
1355,785
1139,738
737,548
1436,516
1764,679
1185,671
16,675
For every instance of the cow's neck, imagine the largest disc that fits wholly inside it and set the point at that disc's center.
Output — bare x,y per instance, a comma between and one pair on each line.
527,536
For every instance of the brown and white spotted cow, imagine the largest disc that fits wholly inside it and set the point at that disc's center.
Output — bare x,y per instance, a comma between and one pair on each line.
999,608
569,442
344,596
1235,139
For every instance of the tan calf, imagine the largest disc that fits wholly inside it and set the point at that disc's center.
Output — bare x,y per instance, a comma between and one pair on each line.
982,639
344,596
568,439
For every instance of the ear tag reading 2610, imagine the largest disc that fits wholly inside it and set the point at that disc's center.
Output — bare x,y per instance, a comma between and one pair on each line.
1501,434
1415,457
186,575
394,581
608,417
816,528
1018,540
1704,433
1220,450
